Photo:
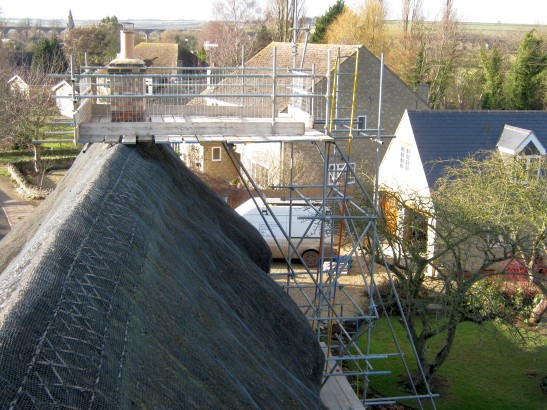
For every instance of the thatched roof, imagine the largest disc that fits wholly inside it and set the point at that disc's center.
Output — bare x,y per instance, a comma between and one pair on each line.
134,286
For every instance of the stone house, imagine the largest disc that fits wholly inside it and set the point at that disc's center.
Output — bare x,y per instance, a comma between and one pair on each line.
206,157
333,60
267,163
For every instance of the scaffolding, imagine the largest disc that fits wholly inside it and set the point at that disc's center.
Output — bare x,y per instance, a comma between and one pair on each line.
241,105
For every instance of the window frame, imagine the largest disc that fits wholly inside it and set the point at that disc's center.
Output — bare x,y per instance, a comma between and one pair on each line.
215,158
336,169
404,158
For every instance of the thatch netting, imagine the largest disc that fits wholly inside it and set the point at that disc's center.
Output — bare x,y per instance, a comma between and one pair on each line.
134,286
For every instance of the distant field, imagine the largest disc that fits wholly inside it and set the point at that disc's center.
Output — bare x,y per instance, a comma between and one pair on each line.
139,24
487,28
193,24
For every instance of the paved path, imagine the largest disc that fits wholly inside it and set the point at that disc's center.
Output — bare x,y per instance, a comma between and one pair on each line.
14,208
4,224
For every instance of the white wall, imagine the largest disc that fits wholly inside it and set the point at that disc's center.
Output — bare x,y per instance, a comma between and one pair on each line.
65,105
407,183
391,175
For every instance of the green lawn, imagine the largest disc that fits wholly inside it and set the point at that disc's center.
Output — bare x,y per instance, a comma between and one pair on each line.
7,156
487,369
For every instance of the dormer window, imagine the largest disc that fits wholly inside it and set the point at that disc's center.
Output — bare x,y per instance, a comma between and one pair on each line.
514,140
530,149
526,147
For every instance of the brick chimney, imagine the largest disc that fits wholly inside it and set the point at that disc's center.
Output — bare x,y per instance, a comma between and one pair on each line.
130,109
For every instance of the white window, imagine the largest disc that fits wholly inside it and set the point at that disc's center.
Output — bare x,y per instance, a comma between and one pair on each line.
362,122
531,167
534,166
216,154
495,241
405,158
337,172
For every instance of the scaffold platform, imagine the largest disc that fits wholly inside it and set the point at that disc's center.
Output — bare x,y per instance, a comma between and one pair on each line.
196,129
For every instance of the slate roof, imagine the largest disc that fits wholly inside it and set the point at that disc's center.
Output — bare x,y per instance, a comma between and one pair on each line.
445,135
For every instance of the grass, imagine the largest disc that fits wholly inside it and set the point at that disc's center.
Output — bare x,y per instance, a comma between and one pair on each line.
8,156
487,369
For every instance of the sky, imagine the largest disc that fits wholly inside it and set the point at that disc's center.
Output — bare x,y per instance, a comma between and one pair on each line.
485,11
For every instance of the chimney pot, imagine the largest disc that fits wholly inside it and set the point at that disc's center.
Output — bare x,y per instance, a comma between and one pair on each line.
127,44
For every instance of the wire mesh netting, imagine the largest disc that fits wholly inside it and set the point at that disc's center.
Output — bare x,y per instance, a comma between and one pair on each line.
125,291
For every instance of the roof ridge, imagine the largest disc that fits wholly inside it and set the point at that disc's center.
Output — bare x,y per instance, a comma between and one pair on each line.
517,129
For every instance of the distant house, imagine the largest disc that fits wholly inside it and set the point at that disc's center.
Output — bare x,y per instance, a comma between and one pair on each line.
158,55
17,84
21,86
160,59
267,162
426,142
423,138
323,58
65,105
210,158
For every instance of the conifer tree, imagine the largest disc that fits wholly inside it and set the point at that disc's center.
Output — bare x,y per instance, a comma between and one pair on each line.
526,87
49,57
492,89
323,22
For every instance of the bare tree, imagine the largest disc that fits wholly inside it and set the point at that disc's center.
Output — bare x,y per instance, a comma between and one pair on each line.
411,12
280,15
2,19
512,191
443,55
466,245
25,111
234,19
236,11
364,26
4,52
405,15
407,46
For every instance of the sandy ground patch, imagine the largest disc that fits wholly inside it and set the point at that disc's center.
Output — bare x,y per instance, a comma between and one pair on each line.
350,291
50,179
